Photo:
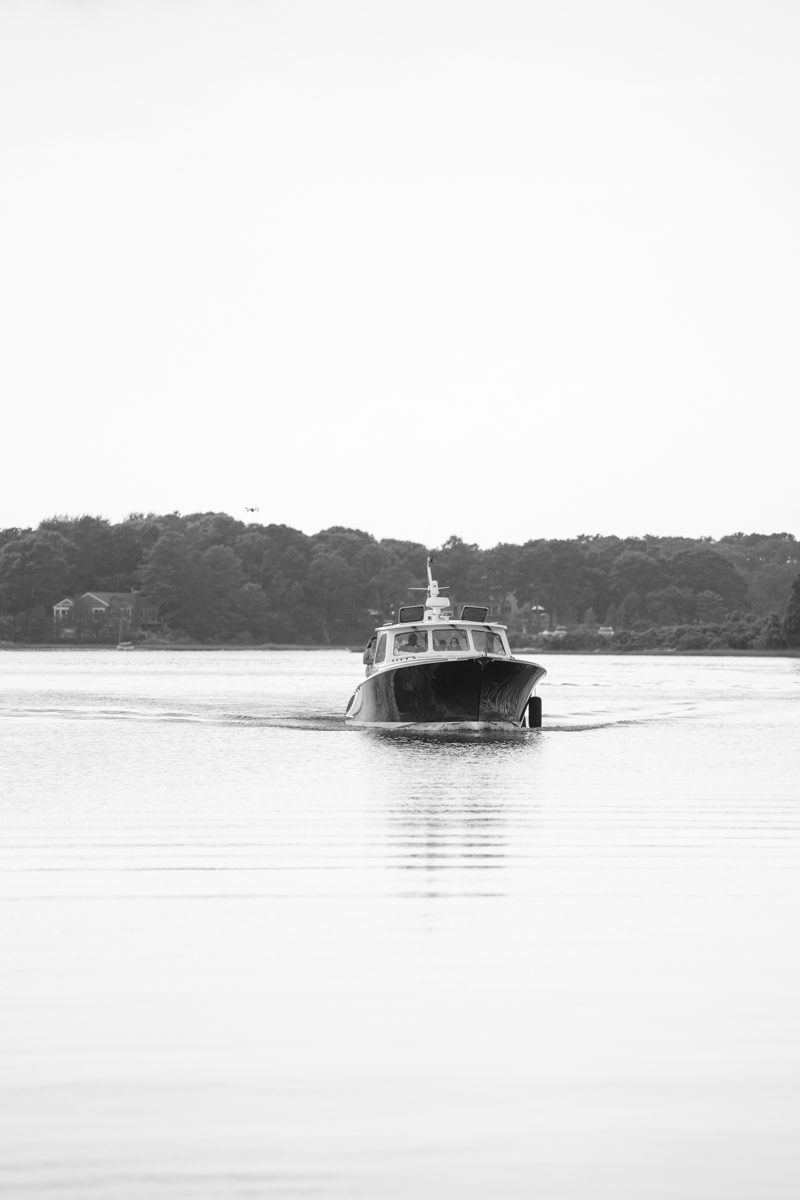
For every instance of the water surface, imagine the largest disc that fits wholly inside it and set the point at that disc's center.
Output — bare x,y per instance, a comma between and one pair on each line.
247,952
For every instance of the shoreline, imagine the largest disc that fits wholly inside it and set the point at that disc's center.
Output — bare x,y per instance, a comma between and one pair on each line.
269,647
793,652
10,646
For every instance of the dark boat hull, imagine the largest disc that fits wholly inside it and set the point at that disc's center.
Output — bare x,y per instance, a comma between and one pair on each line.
473,689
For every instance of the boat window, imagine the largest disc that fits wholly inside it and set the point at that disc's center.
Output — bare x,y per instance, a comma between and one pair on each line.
486,641
450,640
414,642
380,653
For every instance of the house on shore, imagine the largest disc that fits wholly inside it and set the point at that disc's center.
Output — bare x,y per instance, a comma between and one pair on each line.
102,617
525,617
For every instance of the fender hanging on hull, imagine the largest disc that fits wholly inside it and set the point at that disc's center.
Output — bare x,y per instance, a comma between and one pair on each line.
473,689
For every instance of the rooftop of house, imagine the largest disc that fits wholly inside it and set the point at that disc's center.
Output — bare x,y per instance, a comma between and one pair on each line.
104,598
107,597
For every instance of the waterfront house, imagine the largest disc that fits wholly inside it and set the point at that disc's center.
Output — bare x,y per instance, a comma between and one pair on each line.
525,617
102,616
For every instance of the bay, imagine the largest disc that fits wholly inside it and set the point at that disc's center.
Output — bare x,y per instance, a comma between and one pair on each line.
247,952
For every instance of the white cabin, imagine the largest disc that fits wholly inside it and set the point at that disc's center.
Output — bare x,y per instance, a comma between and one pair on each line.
429,632
439,641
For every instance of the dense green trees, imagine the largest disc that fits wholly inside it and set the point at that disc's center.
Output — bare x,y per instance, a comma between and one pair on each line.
559,575
35,570
214,577
702,569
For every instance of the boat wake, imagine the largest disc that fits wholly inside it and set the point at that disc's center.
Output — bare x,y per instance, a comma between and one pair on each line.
318,722
450,730
160,716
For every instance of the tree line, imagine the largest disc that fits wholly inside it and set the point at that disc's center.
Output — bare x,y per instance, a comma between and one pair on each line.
218,579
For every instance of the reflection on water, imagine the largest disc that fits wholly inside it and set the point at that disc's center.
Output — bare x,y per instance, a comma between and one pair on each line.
248,952
454,818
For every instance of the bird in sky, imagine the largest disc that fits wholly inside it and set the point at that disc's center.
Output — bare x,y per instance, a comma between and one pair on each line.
250,509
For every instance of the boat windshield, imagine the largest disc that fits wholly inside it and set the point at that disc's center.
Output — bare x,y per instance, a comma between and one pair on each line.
413,642
449,640
486,641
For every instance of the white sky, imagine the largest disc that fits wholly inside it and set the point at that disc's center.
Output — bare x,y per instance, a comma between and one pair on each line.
506,270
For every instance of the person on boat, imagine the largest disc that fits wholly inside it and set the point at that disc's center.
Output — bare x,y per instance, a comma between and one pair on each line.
411,643
369,654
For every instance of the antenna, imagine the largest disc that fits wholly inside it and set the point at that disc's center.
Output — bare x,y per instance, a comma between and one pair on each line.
434,604
433,587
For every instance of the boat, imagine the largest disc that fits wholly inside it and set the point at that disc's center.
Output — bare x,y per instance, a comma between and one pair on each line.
123,645
429,671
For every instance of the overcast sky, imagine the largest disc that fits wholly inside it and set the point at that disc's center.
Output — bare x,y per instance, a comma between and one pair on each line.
505,270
